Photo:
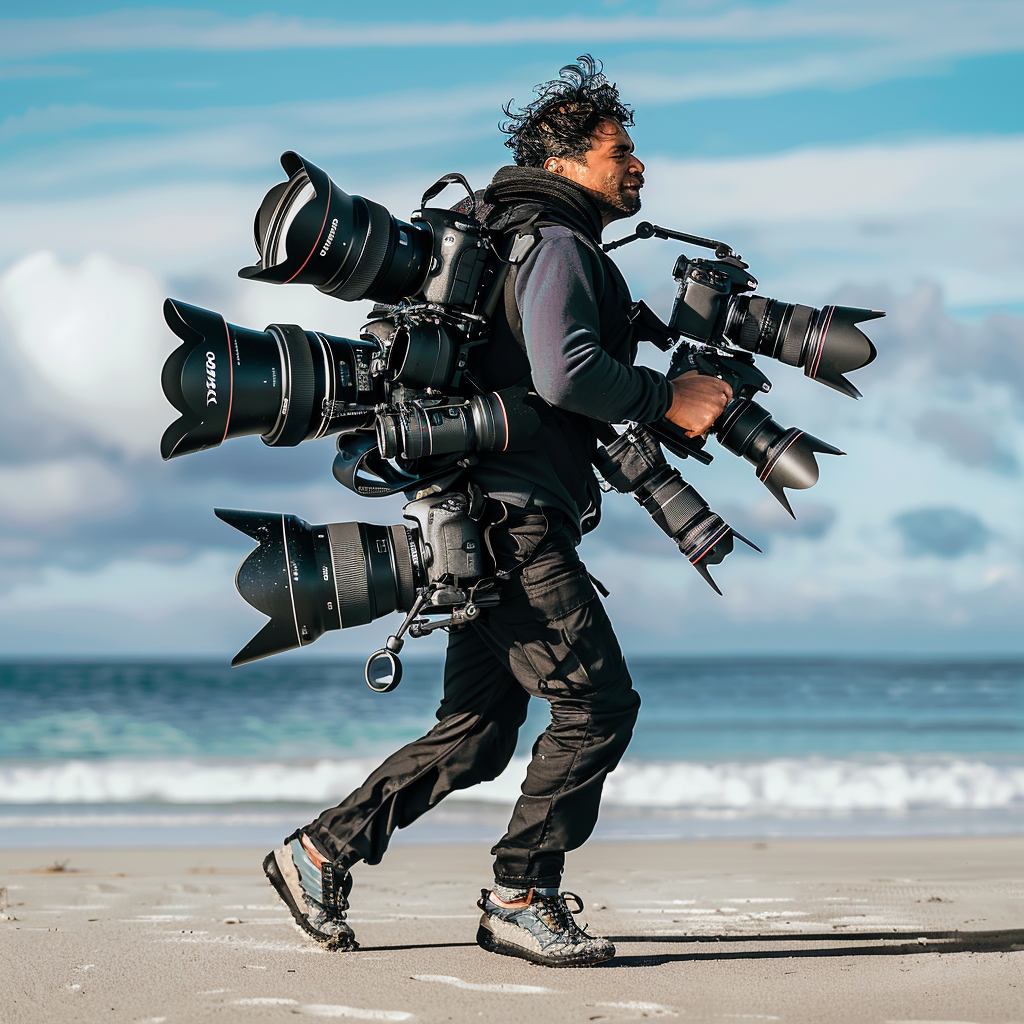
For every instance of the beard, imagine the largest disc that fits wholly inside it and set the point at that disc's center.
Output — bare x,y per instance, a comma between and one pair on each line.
616,202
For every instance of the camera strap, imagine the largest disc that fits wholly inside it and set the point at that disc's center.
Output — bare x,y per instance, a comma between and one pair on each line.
452,178
360,467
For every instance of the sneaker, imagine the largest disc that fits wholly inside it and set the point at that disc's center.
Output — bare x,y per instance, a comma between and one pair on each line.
541,929
314,891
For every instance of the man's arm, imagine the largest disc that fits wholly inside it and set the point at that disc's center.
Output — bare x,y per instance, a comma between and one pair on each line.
557,296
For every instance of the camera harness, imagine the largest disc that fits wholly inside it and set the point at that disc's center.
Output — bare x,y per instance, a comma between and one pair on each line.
359,453
416,408
360,467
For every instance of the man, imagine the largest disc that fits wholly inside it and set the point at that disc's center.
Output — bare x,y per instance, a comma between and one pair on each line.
564,325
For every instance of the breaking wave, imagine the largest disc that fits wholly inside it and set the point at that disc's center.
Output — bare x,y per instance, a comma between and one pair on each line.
775,786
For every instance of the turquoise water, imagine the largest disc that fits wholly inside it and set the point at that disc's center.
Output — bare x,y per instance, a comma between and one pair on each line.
729,746
691,709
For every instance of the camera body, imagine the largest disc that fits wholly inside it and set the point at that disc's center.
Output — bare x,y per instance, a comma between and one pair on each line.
703,299
449,537
715,304
459,250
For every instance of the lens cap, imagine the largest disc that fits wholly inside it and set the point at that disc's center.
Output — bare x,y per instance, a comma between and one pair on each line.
383,671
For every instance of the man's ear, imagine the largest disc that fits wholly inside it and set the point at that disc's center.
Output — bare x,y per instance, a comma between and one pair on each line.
555,165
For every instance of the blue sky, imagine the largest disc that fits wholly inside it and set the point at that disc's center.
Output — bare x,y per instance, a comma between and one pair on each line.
863,152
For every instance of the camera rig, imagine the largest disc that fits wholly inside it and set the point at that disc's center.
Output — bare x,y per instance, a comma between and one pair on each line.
411,418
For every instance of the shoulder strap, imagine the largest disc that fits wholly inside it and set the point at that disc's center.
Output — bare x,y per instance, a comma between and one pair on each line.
521,248
526,239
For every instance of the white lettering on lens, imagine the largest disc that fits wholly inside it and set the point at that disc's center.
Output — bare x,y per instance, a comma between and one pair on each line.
330,237
211,379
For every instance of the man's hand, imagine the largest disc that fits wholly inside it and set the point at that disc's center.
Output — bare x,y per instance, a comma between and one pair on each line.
697,401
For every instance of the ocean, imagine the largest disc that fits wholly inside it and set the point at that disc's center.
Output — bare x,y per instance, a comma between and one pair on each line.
188,753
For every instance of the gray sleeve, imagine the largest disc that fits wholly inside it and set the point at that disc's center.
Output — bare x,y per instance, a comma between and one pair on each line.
557,297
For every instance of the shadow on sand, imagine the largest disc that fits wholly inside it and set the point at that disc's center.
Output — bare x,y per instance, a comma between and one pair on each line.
889,944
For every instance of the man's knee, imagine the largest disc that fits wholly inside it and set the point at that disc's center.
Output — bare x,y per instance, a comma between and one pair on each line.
488,745
613,718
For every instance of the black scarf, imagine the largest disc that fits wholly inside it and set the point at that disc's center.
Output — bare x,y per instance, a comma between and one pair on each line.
518,193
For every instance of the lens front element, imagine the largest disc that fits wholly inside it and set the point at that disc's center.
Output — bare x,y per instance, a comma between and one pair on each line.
309,231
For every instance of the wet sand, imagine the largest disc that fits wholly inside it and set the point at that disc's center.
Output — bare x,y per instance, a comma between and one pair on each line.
920,930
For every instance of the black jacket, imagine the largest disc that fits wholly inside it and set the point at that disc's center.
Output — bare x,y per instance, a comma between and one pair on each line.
569,329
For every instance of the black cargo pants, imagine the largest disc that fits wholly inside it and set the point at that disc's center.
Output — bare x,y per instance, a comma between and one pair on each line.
550,637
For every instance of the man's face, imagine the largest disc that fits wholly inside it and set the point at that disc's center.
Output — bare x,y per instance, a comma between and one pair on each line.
611,169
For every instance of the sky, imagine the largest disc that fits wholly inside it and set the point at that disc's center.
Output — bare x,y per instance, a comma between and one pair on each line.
854,152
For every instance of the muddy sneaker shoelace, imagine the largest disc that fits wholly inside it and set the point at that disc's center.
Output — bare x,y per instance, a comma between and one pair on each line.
314,891
540,927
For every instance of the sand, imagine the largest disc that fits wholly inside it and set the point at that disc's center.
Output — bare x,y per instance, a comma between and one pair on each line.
817,931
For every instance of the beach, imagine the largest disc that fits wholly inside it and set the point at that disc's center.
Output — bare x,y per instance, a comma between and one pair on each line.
872,930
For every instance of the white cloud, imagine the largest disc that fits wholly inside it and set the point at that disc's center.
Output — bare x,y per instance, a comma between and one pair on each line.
93,334
359,141
938,28
813,219
374,117
178,227
50,491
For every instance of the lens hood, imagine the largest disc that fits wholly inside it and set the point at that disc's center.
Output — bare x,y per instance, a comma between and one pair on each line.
285,384
781,457
839,346
310,231
310,579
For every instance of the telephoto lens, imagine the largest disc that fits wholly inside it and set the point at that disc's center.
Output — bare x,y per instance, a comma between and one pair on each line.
310,579
284,383
826,342
782,458
635,464
309,231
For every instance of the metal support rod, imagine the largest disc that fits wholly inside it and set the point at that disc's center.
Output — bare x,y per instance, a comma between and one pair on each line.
395,642
645,229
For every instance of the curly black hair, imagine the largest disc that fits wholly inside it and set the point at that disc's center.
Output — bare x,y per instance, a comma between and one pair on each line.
563,117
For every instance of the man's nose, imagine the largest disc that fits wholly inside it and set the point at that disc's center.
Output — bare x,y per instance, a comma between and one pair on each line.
636,166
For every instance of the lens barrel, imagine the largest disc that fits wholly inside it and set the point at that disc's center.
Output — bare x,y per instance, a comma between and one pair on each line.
782,457
825,342
283,383
309,231
494,422
635,464
700,534
422,355
310,579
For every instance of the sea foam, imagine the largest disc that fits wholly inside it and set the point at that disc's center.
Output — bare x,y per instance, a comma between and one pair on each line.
773,786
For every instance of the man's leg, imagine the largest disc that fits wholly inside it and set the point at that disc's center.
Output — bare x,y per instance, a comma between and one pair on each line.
559,644
479,720
478,724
